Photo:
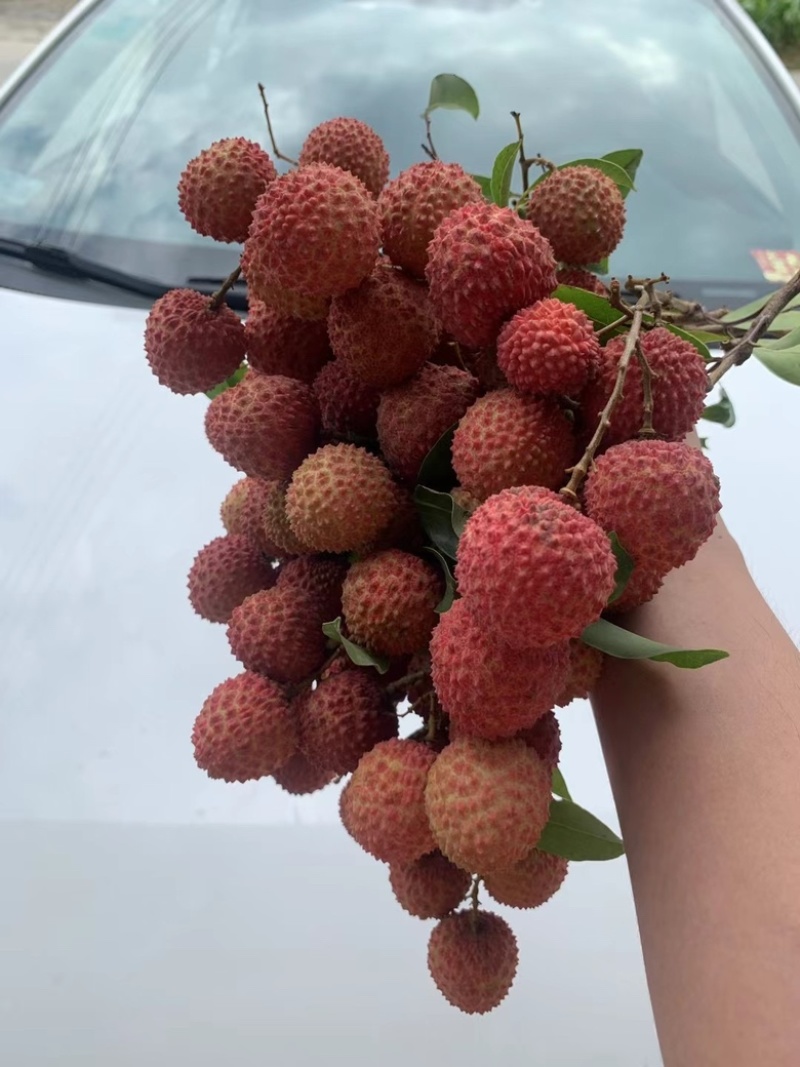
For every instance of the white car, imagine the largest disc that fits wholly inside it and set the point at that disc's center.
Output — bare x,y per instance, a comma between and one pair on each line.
147,914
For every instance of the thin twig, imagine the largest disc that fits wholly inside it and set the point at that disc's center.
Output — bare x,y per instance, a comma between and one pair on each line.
275,149
647,393
524,164
611,326
429,149
298,687
615,298
403,683
218,298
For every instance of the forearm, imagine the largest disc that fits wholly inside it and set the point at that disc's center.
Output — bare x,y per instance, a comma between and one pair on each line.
705,769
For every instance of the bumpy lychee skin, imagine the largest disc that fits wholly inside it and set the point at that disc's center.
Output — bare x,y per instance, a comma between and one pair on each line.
488,688
189,347
661,498
508,439
404,530
344,717
581,212
389,601
241,513
585,668
472,958
340,498
218,189
265,425
318,577
244,730
413,416
415,203
642,586
533,569
383,805
283,344
545,738
487,802
315,231
223,573
484,264
275,523
301,777
277,633
384,330
430,887
347,404
548,348
579,278
284,301
530,883
679,386
352,145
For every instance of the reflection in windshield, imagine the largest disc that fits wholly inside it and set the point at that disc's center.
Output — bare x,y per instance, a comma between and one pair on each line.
92,151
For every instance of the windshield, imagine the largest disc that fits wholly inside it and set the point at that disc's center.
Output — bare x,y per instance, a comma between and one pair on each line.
91,147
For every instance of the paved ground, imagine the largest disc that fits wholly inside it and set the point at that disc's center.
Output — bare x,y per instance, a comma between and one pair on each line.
23,23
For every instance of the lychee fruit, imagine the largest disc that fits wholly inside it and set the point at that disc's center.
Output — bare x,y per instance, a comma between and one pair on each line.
300,776
488,688
190,347
679,386
413,416
404,529
352,145
415,203
384,330
383,805
642,586
340,498
585,667
472,958
389,602
265,425
276,523
580,211
277,633
661,498
224,573
487,802
578,278
349,407
283,344
260,287
244,730
484,264
242,511
548,348
218,189
315,231
508,439
344,717
430,887
545,738
318,577
529,883
533,569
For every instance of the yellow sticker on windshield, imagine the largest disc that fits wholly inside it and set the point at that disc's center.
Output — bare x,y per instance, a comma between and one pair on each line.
776,266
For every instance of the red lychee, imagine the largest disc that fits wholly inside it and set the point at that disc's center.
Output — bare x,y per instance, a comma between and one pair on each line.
384,330
218,189
300,776
533,569
261,288
548,348
351,145
415,203
223,573
277,633
580,211
585,666
315,231
472,958
265,426
430,887
484,264
545,738
244,730
413,416
189,346
344,717
487,802
349,406
579,278
404,530
283,344
508,439
276,523
318,577
529,883
383,806
242,513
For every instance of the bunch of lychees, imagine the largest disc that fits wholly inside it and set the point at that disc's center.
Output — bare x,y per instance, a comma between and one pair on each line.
390,321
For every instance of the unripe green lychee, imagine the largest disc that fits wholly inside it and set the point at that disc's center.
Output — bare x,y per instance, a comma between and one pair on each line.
529,883
472,958
548,348
223,573
430,887
344,717
580,211
277,633
283,344
352,145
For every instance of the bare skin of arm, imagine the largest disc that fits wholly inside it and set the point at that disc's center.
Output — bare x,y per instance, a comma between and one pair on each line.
705,769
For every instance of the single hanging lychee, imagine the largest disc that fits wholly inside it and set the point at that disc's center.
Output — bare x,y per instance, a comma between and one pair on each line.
225,572
580,211
277,633
430,887
472,958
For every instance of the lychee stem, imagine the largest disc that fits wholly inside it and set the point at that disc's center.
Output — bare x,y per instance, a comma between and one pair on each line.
218,298
277,152
298,687
474,901
647,392
525,163
402,683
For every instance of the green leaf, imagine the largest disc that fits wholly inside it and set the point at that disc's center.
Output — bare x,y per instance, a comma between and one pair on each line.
623,644
747,312
576,834
559,785
601,267
437,471
625,567
614,171
449,582
783,362
485,184
703,443
360,656
721,411
234,379
789,340
787,320
627,158
440,516
450,91
596,307
501,173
